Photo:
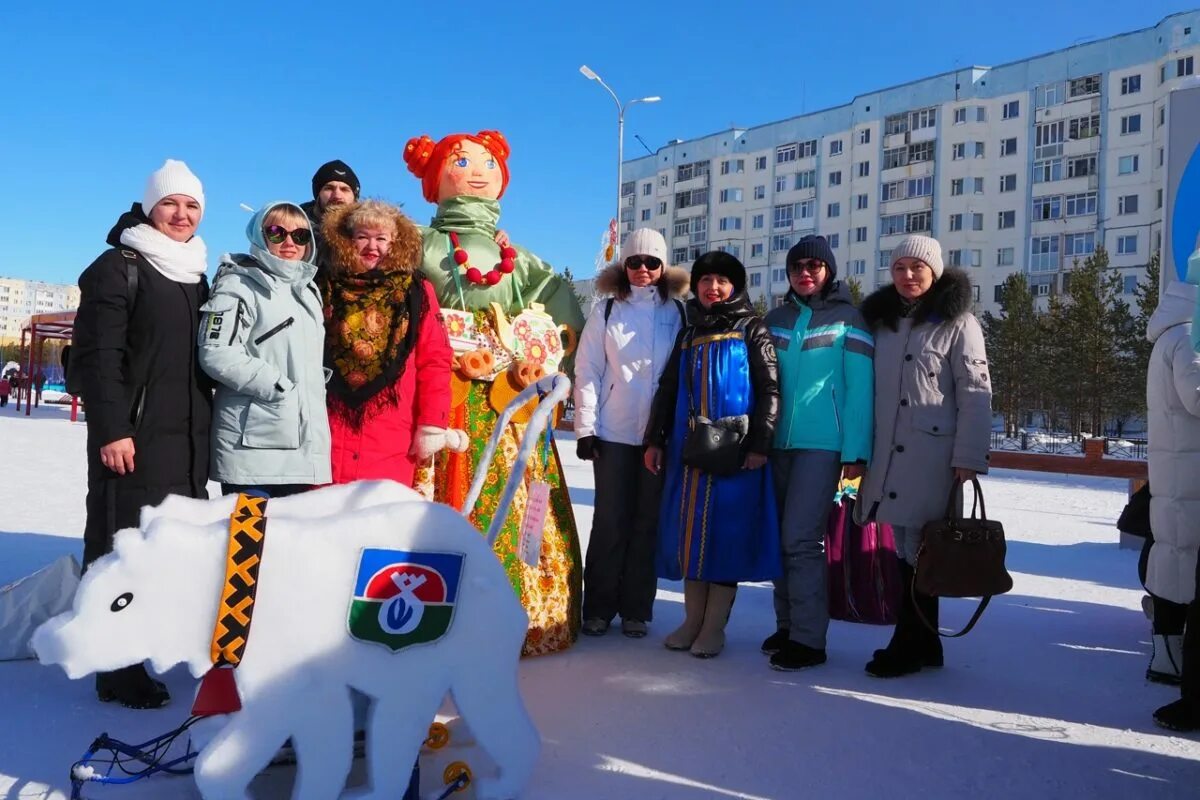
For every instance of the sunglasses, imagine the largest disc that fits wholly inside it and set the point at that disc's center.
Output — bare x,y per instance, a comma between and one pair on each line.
811,267
276,234
649,262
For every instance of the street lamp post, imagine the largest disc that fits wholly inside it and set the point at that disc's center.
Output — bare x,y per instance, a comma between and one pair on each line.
592,76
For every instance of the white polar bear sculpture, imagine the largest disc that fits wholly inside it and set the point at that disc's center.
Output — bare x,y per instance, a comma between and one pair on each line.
365,587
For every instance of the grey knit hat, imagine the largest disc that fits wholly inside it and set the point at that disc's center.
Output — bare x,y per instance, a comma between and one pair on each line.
922,248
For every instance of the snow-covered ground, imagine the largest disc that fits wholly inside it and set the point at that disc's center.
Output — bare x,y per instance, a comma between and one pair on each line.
1045,699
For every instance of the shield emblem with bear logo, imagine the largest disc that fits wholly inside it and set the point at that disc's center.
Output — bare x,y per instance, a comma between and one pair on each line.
404,598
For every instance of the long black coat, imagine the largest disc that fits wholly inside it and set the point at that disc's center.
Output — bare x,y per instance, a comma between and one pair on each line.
139,378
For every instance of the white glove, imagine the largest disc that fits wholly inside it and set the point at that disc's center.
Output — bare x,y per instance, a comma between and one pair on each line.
430,439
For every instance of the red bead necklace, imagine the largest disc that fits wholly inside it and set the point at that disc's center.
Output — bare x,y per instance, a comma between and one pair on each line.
506,265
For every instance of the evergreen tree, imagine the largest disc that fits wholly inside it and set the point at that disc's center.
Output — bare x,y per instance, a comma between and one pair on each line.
856,290
1012,346
760,306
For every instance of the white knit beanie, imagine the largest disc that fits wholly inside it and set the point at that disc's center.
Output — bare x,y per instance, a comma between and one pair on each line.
173,177
922,248
645,242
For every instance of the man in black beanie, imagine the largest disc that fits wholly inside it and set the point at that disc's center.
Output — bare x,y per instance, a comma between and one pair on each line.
333,184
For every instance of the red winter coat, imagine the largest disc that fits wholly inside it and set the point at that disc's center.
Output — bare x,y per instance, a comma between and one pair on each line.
379,449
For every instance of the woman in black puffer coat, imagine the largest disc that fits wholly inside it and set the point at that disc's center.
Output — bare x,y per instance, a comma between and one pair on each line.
133,363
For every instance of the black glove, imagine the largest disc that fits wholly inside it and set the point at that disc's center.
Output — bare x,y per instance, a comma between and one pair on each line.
586,448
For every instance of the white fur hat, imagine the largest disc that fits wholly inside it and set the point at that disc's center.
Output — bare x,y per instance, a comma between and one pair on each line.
645,242
922,248
173,177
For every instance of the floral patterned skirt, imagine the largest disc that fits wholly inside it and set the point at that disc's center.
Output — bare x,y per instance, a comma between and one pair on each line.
552,591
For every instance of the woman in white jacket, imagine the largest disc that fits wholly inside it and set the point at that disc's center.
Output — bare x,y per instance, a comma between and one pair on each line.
622,352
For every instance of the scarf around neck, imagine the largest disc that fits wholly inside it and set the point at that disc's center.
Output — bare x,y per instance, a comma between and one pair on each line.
372,323
182,262
467,214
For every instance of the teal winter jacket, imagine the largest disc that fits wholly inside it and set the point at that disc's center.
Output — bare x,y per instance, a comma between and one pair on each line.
826,375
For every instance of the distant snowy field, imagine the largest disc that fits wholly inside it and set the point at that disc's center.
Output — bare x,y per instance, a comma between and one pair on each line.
1045,699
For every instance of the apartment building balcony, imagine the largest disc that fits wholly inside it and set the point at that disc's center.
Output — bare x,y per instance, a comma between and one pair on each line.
919,169
924,203
698,182
1081,147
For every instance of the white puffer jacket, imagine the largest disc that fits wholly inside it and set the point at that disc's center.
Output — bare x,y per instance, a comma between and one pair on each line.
619,362
1173,403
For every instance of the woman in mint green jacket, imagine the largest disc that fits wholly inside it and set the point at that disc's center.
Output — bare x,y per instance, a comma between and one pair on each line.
826,395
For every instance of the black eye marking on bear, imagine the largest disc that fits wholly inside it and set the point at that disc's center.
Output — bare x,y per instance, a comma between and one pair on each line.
122,602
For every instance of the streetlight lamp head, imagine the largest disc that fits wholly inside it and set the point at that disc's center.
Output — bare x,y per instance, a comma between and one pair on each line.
653,99
587,73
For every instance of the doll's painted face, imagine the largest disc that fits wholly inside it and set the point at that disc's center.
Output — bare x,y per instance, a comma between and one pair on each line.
471,170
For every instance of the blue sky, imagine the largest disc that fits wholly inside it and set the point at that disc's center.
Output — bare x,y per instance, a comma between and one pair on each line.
255,96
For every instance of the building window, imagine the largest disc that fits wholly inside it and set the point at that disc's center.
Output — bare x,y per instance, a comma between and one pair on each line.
860,233
978,153
806,209
1131,84
755,279
781,183
1162,116
1008,183
756,250
679,255
858,266
808,149
1012,109
1049,207
628,188
1127,165
646,189
731,195
1131,124
1081,87
956,187
1183,66
861,202
956,222
885,259
779,275
954,258
663,180
756,221
1006,220
1158,200
730,223
1005,256
1129,283
645,215
662,207
806,179
864,136
1079,244
1081,205
977,222
1127,204
864,169
1084,127
760,192
786,153
834,240
835,147
833,210
1008,147
1043,253
697,169
835,178
1127,245
977,185
960,116
760,163
779,243
783,216
959,151
1081,166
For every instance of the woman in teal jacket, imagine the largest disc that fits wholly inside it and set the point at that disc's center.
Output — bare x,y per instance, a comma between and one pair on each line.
262,337
826,391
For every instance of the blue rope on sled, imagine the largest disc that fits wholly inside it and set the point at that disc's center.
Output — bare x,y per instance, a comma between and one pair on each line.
112,762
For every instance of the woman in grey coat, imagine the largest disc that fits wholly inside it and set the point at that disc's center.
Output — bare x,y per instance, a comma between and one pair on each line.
932,422
262,339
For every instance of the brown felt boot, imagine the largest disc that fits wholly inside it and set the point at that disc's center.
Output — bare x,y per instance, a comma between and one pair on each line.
711,639
695,596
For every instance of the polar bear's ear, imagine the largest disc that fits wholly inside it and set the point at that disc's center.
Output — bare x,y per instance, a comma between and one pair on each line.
128,542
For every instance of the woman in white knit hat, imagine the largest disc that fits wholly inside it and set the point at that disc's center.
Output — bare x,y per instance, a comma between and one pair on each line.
932,422
133,363
622,352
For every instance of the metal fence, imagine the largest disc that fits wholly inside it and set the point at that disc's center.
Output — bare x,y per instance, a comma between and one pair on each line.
1065,445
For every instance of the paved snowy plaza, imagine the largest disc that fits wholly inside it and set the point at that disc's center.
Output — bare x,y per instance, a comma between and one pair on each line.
1045,699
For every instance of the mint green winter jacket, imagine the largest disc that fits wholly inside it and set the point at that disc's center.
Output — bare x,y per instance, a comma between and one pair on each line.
826,375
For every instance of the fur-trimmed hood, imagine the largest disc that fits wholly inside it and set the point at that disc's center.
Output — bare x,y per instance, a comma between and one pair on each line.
948,298
674,283
405,254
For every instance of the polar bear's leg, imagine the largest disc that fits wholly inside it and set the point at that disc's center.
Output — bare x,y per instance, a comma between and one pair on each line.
491,704
395,730
323,736
237,753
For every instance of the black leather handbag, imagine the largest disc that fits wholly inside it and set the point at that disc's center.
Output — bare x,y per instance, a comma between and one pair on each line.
713,446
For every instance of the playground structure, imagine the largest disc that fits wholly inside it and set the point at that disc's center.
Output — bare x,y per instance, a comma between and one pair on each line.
36,331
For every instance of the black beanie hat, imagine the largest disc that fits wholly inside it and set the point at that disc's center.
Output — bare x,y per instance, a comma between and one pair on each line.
335,171
717,262
814,247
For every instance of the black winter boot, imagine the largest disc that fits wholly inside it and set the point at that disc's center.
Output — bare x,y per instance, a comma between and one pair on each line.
132,687
929,643
1179,716
902,656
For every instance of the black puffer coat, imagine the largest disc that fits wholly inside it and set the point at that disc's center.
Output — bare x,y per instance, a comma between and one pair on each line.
764,373
139,378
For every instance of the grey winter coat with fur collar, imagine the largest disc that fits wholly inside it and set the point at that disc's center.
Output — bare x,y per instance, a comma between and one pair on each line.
932,401
620,359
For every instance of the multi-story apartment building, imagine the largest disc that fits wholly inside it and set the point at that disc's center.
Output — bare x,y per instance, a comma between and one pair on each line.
1021,167
20,299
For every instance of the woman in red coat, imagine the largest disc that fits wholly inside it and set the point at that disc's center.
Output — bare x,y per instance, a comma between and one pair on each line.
389,392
